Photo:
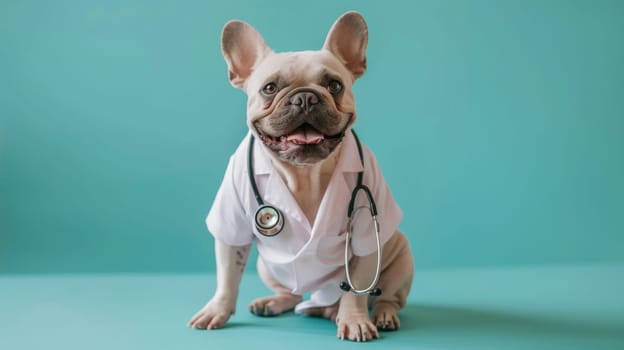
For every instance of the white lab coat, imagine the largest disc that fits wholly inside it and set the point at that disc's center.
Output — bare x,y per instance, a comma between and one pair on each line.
304,258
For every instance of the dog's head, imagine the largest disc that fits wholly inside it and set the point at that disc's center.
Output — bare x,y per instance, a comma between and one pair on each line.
300,104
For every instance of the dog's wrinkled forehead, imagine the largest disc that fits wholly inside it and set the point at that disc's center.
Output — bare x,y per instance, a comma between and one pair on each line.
296,69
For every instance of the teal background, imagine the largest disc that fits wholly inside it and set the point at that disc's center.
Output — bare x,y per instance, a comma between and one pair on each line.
498,125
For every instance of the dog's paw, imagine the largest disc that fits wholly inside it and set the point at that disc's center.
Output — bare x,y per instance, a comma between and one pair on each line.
274,305
356,327
212,316
385,317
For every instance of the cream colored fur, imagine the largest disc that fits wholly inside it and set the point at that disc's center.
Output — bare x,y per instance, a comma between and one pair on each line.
250,61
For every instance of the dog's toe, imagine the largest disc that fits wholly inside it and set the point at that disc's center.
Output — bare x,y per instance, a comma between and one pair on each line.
274,305
386,326
261,309
356,327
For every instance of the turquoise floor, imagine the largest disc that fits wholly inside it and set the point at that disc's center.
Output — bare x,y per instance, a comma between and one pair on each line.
573,307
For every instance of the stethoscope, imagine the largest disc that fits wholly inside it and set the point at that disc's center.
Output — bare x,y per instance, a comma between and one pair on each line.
269,220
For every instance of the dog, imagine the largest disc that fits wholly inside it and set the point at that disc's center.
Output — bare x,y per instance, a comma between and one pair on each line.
300,111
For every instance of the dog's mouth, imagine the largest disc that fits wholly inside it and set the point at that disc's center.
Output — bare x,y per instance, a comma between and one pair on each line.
308,141
303,135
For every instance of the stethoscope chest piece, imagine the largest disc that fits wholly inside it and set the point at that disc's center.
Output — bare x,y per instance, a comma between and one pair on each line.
269,221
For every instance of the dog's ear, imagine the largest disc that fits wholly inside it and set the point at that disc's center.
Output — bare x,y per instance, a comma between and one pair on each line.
243,48
347,39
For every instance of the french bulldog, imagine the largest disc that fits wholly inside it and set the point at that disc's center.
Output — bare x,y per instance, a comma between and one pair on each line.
300,111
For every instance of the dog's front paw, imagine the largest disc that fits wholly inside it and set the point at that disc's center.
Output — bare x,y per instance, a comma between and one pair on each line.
213,315
356,326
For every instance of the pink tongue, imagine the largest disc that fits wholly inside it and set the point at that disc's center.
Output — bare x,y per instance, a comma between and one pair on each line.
305,135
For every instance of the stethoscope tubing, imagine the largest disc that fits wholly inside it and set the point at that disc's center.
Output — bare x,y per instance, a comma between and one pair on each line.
373,284
272,231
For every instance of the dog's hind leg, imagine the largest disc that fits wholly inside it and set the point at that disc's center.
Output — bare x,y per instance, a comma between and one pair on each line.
395,281
279,303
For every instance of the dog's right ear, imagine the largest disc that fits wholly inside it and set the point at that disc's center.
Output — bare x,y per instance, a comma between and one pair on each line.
243,48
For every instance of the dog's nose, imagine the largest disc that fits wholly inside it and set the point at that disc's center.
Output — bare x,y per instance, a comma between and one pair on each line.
305,100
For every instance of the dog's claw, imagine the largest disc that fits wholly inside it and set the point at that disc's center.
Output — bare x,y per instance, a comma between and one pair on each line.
386,326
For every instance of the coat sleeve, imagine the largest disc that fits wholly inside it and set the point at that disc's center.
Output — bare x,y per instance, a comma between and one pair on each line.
389,213
227,219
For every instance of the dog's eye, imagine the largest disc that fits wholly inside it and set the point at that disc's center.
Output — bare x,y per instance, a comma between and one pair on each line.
334,86
269,89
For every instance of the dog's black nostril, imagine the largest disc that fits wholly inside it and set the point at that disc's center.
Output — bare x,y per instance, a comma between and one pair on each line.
305,100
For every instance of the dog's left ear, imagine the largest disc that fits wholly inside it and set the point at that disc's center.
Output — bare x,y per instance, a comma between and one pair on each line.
347,39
